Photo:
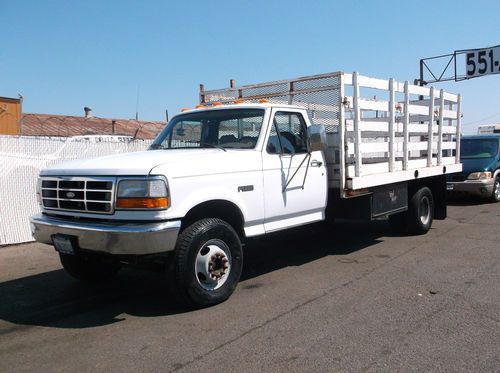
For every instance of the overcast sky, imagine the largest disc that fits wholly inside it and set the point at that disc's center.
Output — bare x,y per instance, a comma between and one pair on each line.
116,56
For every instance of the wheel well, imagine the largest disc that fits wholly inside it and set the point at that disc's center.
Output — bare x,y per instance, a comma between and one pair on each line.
221,209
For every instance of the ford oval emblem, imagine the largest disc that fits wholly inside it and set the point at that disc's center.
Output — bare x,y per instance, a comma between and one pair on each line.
70,195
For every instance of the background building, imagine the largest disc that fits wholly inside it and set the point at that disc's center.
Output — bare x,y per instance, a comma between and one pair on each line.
14,122
10,116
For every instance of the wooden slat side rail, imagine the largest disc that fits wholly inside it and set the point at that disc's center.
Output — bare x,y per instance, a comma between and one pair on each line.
369,126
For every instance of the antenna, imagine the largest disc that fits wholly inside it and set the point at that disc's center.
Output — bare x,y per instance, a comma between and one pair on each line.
137,102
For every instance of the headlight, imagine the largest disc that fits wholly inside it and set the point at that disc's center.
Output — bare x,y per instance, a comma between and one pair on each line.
142,194
479,175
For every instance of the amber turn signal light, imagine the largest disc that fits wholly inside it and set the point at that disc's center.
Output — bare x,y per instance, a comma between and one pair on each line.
142,203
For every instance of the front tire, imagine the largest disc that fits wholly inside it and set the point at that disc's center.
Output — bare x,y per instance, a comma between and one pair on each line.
88,268
207,264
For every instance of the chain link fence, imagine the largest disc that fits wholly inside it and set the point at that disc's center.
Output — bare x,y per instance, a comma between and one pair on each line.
22,158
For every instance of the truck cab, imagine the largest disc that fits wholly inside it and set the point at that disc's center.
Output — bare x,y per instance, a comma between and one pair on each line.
480,157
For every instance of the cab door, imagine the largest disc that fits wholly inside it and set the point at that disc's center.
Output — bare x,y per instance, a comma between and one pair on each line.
295,181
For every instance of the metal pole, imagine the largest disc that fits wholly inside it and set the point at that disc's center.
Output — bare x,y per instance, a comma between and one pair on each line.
421,79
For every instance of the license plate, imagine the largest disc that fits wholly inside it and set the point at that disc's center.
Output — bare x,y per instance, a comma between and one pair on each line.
450,186
64,244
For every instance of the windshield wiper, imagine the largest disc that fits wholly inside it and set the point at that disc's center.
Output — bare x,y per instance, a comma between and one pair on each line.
213,146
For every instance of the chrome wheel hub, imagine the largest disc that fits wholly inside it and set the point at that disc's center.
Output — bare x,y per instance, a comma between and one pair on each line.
213,264
425,210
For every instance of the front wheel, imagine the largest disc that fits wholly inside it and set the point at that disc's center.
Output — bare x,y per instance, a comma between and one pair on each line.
207,263
88,268
495,196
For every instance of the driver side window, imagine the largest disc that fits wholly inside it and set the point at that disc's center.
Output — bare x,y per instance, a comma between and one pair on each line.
288,134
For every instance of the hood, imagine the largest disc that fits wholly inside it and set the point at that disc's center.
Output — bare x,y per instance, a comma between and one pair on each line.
478,164
180,162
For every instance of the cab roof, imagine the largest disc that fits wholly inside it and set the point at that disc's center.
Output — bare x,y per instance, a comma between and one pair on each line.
266,105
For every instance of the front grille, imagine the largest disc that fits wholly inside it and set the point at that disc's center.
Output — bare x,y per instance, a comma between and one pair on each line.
93,195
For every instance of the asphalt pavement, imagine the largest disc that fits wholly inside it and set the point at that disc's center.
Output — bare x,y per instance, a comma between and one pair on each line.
351,297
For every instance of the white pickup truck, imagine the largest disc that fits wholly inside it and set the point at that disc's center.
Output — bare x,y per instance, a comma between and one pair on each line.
248,161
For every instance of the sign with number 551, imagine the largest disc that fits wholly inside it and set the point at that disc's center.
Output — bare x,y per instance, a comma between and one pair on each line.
482,62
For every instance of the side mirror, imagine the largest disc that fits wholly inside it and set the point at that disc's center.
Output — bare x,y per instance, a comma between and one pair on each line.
316,137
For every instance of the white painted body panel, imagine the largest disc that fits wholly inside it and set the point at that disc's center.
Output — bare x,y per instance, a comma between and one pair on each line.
304,198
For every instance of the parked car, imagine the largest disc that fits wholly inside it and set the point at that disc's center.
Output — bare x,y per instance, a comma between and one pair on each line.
480,156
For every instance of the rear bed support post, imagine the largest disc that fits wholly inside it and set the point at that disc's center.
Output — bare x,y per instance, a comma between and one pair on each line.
357,130
341,132
440,128
405,127
430,130
392,145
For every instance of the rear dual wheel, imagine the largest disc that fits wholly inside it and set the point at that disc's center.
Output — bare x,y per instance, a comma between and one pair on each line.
419,216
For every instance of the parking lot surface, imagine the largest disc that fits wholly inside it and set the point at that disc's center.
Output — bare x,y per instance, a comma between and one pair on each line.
352,297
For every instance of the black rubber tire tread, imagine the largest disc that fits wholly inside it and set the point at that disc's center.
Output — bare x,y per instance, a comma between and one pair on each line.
493,198
415,225
185,285
88,268
399,222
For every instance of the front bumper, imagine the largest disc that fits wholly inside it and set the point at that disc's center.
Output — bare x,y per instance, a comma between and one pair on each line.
483,188
136,238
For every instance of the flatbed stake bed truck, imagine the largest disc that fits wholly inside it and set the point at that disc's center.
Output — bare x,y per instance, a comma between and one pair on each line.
248,161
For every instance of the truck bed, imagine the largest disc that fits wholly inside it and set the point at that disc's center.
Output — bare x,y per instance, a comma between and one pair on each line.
379,131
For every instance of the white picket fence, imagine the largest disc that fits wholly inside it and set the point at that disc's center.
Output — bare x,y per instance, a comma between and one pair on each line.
22,158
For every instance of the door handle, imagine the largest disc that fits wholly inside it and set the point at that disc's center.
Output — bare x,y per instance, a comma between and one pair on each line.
315,163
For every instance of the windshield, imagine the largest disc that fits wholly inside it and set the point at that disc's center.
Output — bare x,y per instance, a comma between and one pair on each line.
478,148
231,128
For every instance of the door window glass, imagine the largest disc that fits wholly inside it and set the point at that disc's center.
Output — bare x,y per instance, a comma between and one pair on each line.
288,134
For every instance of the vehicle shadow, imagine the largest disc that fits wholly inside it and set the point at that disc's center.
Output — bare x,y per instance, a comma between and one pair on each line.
468,200
54,299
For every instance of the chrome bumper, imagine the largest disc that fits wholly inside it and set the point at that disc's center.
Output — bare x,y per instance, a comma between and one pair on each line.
137,238
477,187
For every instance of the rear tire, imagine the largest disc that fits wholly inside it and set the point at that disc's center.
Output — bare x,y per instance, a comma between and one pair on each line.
420,211
495,196
207,263
88,268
